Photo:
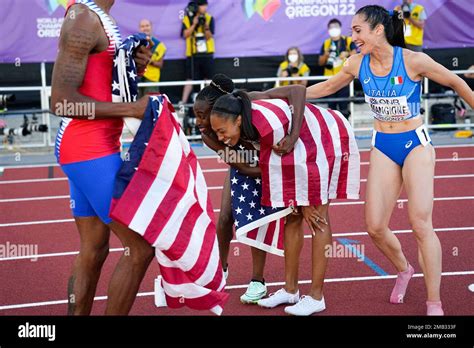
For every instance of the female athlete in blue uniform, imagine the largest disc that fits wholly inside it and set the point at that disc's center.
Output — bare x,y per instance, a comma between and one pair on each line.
402,152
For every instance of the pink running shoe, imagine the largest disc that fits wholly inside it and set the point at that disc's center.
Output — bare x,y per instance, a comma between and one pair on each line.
400,288
434,308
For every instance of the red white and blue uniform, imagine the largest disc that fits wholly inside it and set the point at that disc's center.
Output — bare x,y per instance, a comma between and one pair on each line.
88,150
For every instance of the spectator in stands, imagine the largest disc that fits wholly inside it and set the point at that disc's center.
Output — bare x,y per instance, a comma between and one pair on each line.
334,52
153,69
415,17
198,30
293,66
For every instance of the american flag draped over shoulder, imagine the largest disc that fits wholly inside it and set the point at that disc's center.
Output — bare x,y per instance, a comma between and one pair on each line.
255,225
324,165
160,193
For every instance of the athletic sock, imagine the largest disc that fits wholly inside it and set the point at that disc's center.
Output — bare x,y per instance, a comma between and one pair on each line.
434,308
400,288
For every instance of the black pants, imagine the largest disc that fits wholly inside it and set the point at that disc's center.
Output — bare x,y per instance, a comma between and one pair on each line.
200,67
341,106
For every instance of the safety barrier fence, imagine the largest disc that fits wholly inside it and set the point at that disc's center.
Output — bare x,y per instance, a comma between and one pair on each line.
45,94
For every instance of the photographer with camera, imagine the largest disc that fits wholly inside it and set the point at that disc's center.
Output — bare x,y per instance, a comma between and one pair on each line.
415,17
198,31
153,70
293,66
334,52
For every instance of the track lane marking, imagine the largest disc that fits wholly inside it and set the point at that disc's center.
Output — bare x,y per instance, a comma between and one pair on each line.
449,159
306,236
40,222
240,286
210,188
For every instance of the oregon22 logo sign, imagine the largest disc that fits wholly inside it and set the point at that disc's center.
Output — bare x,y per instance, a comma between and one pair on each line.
265,8
52,5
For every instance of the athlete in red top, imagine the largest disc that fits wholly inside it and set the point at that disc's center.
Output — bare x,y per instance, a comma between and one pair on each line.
103,136
88,149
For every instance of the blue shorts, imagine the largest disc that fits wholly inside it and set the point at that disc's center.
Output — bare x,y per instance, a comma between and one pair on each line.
91,184
397,146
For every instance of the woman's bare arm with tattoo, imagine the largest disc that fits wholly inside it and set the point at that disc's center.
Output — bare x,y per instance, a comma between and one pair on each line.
81,35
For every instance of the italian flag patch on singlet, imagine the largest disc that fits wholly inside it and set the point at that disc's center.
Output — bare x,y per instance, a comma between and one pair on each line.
396,80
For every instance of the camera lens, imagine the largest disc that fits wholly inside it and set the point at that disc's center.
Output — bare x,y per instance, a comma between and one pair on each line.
5,98
202,20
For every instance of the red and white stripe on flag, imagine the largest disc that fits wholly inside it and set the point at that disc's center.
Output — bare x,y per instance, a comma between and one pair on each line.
324,165
167,202
267,237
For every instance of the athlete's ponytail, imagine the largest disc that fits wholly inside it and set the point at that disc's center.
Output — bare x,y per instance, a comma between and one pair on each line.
248,130
398,25
392,22
234,104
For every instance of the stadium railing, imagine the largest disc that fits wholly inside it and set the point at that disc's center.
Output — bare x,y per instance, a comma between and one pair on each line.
45,93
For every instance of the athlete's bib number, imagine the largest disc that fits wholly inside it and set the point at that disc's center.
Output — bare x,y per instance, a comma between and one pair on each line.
423,135
389,109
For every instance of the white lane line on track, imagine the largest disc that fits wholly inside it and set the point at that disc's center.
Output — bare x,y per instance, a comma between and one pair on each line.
351,279
41,222
450,146
242,286
26,223
27,199
406,200
215,170
54,164
210,188
42,256
217,157
29,181
462,198
306,236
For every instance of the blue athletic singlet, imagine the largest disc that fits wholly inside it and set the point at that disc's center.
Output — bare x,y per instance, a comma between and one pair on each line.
394,97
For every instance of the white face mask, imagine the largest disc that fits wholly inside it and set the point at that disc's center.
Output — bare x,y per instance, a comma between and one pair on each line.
334,32
293,58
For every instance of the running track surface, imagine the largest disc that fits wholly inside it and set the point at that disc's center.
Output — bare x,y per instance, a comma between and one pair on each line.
34,209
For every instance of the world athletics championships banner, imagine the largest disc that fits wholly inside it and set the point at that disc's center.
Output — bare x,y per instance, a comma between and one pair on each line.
244,28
